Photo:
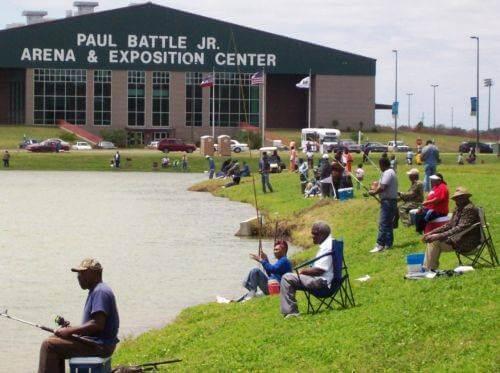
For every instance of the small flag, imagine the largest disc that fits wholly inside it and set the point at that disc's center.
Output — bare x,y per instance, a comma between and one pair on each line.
207,81
257,78
304,83
473,106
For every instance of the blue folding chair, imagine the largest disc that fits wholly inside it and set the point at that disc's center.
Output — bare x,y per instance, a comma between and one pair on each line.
339,291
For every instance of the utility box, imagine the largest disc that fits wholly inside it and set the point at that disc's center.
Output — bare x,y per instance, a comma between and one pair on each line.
224,145
207,145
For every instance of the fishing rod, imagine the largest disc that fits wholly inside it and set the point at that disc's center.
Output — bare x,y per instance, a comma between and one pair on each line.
259,218
146,367
50,330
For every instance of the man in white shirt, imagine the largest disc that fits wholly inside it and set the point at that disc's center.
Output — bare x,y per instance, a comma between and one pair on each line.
317,277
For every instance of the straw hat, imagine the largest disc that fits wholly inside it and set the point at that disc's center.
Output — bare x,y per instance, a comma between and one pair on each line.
461,191
413,171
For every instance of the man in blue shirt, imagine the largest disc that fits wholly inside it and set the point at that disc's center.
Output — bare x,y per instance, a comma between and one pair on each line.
258,279
430,156
99,326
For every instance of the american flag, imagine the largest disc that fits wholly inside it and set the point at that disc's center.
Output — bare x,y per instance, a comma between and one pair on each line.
207,81
257,78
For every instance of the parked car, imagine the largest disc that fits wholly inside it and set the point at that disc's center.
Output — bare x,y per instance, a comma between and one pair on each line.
153,144
106,145
375,147
236,147
400,146
81,145
62,142
466,145
175,145
352,146
25,143
50,145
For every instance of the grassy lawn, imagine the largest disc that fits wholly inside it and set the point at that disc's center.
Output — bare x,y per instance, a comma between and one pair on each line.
445,324
11,136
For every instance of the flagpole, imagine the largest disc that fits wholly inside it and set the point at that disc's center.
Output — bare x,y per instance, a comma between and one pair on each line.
264,93
213,105
309,103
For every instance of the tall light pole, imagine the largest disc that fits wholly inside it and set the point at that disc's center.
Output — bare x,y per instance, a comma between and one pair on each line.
434,88
396,102
409,109
488,83
477,93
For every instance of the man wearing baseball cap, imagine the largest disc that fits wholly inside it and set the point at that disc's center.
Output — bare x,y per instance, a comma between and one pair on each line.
100,323
411,199
451,236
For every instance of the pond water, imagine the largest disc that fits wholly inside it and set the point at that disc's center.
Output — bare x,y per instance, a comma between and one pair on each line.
162,248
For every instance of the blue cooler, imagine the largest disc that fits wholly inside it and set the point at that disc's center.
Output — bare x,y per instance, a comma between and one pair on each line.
345,194
90,365
415,262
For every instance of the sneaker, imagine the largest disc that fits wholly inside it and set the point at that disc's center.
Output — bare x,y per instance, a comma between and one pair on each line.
292,315
378,248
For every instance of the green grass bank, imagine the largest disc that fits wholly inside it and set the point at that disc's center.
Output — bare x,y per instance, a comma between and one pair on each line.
445,324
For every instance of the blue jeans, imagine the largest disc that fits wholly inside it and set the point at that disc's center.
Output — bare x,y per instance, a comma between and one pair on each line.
429,171
385,226
265,182
256,279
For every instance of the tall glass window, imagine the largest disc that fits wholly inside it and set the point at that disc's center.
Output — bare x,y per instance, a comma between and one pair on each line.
102,97
194,99
136,97
161,80
60,94
236,100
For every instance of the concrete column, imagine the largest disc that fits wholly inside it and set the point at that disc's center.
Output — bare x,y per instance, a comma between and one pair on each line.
177,105
29,97
119,99
148,100
90,99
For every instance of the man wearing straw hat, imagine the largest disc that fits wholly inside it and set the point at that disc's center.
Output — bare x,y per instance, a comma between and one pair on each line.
448,237
411,199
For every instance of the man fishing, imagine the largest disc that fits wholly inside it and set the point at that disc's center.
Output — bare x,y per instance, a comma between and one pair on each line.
99,326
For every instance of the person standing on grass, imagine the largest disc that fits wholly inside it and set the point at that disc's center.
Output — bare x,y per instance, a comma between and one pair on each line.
293,159
264,169
6,159
211,167
117,159
347,160
387,189
317,277
184,162
360,174
430,157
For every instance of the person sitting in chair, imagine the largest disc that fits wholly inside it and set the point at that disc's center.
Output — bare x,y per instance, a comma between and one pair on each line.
258,279
454,234
411,199
317,277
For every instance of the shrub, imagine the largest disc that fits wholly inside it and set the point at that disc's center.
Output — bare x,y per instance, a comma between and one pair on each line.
67,136
253,139
117,136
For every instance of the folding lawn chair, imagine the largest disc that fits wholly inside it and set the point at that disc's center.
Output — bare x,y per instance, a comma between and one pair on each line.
485,253
339,291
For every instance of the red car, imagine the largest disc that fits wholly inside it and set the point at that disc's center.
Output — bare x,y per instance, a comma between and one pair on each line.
175,145
48,146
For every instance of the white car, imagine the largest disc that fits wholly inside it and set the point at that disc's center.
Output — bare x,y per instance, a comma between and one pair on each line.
236,147
153,145
400,146
81,145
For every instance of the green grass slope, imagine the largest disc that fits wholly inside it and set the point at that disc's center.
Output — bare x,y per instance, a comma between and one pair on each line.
445,324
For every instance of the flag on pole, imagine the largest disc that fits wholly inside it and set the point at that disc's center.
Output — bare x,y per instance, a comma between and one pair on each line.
207,81
257,78
304,83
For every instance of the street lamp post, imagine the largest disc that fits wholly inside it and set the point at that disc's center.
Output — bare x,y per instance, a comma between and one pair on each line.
477,92
409,109
488,83
396,102
434,89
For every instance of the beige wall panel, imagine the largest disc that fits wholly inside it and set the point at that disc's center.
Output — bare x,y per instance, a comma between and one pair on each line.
89,123
347,99
119,100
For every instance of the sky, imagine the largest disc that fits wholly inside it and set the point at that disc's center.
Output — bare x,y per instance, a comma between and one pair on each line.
432,39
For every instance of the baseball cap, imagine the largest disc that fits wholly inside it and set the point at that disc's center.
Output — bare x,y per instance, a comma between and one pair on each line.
88,263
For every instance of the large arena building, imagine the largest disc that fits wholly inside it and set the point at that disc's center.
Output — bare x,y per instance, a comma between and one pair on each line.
140,69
